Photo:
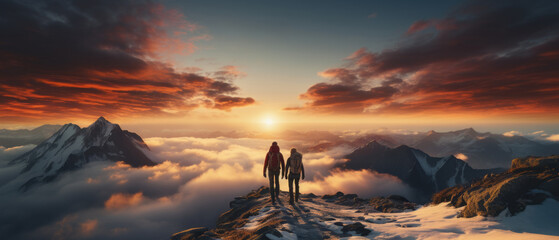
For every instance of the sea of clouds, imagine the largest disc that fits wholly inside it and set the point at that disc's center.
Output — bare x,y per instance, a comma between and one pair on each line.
191,187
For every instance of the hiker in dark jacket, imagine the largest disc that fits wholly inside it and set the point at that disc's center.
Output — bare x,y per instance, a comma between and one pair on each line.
274,162
294,171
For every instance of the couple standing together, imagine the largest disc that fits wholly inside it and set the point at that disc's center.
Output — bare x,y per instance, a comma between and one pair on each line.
293,171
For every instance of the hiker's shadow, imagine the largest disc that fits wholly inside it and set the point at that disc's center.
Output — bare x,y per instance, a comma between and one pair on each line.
310,222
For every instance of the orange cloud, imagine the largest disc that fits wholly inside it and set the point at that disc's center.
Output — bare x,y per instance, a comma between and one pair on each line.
122,200
113,67
88,226
463,69
365,182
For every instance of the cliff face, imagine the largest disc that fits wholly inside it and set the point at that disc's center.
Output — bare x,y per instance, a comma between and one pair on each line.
254,217
529,181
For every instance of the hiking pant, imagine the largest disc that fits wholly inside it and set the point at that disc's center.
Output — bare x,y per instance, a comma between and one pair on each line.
294,177
274,175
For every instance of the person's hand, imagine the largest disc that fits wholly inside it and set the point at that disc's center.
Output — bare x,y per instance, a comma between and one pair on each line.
282,176
264,174
303,176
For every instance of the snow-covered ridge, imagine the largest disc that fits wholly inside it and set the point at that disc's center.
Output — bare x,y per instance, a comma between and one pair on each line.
315,217
72,147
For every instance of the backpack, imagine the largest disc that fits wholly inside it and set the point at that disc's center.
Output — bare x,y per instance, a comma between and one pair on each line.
273,160
296,163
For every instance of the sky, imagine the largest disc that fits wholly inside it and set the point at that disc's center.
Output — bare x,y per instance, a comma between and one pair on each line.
271,65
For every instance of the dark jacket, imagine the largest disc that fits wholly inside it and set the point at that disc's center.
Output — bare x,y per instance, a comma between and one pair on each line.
274,149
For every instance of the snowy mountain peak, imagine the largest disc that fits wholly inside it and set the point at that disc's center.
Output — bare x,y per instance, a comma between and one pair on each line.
100,131
64,133
73,147
102,123
101,120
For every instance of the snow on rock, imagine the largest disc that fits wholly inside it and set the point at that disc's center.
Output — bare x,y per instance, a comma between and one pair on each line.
72,147
316,217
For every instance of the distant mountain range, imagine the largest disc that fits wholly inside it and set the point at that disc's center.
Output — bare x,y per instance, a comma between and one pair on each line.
72,147
12,138
483,150
414,167
479,150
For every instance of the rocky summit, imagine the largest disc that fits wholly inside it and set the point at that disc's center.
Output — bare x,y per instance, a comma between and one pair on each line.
313,217
529,181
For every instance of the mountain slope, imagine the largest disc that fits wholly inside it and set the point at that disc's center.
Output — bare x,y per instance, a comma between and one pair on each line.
71,147
414,167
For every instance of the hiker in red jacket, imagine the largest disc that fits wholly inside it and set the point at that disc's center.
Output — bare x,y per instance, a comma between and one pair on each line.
274,162
294,171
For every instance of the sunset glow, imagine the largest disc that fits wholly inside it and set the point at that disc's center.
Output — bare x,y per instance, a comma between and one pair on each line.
165,119
165,75
268,121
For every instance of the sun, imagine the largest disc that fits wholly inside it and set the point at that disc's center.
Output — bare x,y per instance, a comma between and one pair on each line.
269,121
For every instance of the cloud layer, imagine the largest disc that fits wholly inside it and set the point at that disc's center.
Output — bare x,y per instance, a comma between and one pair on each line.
92,58
492,57
191,187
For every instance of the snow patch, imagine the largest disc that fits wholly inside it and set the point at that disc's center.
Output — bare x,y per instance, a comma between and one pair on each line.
427,168
254,221
441,222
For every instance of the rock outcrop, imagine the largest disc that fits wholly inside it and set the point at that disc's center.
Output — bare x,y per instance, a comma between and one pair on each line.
529,181
254,217
537,162
391,204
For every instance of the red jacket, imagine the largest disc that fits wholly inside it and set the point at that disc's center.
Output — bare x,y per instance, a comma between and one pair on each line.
274,149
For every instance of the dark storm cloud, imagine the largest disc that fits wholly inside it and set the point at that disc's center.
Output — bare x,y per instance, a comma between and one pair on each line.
498,56
94,57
